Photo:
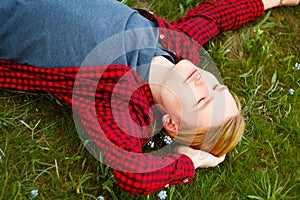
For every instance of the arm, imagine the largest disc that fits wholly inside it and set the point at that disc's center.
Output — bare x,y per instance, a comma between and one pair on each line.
121,149
56,81
208,19
120,139
135,172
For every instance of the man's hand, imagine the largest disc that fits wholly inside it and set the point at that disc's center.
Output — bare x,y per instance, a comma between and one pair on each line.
201,159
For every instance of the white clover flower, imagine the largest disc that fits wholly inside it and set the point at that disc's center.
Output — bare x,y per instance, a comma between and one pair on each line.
162,195
168,139
34,193
291,91
100,198
151,144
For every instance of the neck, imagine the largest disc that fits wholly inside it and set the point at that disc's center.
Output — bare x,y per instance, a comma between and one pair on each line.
158,71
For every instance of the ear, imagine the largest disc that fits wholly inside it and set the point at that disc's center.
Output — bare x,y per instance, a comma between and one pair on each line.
170,125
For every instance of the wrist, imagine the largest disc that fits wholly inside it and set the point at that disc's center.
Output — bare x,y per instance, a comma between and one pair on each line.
191,153
268,4
196,161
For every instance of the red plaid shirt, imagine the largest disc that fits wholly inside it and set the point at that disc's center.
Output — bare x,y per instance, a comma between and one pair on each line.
97,108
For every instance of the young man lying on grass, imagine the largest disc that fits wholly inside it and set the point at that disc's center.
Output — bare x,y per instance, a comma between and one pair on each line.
112,65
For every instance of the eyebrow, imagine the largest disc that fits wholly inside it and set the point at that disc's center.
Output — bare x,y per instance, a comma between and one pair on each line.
220,87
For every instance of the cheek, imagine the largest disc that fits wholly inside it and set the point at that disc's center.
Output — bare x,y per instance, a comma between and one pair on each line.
196,119
206,118
183,103
171,103
219,108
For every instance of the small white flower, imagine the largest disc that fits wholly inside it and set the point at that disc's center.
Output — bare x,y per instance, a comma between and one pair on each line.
100,198
168,139
151,144
162,195
34,193
281,89
297,66
291,91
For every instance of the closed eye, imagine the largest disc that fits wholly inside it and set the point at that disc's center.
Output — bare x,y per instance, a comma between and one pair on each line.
201,99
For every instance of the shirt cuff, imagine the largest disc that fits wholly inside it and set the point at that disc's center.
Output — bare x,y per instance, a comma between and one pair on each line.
185,170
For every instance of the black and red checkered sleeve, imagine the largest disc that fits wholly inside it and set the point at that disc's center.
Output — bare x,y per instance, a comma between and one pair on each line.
118,124
134,171
56,81
185,36
210,18
111,113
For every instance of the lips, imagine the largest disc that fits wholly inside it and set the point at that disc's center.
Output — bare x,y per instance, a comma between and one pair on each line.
190,74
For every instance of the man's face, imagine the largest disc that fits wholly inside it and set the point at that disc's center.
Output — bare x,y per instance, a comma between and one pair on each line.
195,99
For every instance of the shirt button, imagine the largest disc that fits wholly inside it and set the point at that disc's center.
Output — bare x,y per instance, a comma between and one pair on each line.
161,36
186,180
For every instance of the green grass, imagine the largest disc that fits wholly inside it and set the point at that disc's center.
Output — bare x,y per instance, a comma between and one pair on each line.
39,147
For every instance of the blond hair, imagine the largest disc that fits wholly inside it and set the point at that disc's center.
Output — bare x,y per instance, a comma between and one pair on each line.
216,140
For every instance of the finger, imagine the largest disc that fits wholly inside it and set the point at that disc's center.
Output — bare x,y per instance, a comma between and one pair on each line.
223,157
